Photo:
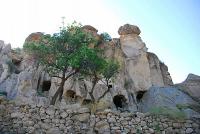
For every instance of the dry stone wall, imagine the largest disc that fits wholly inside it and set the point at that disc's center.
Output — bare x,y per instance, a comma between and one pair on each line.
53,120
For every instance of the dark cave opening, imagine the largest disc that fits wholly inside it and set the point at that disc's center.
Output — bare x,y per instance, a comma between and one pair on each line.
70,94
119,101
109,86
46,85
140,95
70,97
86,101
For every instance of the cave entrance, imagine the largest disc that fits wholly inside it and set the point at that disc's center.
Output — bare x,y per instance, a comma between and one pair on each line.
70,97
140,95
86,102
70,94
46,85
119,101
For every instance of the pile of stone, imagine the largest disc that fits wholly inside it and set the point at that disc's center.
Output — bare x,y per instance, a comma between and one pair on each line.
115,122
51,119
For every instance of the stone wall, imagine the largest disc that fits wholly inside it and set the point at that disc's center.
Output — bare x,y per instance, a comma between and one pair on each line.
53,120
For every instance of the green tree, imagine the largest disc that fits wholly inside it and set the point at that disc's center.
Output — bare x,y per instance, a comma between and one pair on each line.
110,70
105,36
69,53
64,54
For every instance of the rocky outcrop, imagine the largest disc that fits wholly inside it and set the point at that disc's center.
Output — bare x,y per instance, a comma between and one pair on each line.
142,82
168,97
166,75
8,76
136,62
129,29
19,76
139,70
191,86
155,70
34,37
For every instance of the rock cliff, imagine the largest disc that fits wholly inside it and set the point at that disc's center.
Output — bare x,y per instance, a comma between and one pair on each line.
22,79
143,84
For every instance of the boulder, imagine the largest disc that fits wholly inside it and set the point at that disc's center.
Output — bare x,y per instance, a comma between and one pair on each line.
90,28
129,29
84,117
164,97
34,37
53,131
102,127
16,57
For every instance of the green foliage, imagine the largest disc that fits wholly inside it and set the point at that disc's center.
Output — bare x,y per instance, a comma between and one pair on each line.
110,69
105,36
68,48
71,51
157,127
169,112
17,50
195,107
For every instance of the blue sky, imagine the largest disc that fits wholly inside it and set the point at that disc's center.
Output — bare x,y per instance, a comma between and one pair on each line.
170,28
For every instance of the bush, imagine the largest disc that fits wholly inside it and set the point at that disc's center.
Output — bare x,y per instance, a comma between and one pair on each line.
172,113
105,36
194,107
17,50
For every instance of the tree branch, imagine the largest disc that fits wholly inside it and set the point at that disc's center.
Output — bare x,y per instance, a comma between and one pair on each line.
108,89
71,74
103,82
56,76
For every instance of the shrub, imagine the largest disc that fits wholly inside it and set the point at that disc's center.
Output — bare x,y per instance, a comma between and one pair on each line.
172,113
17,50
194,107
105,36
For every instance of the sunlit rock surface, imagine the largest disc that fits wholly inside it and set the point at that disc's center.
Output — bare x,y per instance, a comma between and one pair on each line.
25,81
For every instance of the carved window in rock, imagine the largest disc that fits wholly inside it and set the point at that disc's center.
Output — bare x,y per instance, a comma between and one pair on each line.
140,95
70,97
46,85
120,101
86,102
43,87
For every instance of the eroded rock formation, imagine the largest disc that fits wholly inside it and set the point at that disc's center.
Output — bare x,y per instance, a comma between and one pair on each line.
191,86
23,80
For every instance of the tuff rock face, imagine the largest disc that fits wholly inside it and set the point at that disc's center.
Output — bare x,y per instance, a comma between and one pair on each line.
169,97
19,75
191,86
28,83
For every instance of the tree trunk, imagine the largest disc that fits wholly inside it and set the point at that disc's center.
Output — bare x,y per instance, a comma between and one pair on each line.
108,90
58,92
92,90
